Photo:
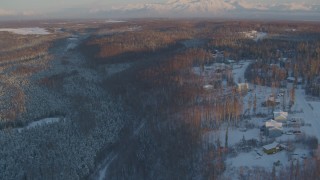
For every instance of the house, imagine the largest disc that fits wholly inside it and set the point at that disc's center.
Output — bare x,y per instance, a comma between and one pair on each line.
271,101
242,86
272,148
273,132
291,79
300,80
273,124
208,86
280,115
273,129
230,61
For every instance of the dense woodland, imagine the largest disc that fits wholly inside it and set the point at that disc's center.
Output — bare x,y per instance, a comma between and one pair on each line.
153,114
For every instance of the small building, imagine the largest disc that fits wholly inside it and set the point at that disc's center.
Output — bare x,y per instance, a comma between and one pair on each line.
274,100
273,132
242,86
273,129
271,101
230,61
272,148
273,124
291,79
300,80
280,116
208,86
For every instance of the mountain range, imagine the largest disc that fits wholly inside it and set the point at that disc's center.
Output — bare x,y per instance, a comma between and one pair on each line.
209,8
243,9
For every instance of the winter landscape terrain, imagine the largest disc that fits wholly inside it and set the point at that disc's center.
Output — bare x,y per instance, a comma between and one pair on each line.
162,98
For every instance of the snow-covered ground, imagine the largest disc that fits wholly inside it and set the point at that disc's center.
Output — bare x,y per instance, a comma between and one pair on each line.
255,35
235,135
116,68
260,36
39,123
114,21
103,172
306,110
239,70
253,159
73,42
27,31
257,158
310,114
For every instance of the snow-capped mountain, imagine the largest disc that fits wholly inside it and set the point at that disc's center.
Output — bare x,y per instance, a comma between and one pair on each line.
211,7
181,7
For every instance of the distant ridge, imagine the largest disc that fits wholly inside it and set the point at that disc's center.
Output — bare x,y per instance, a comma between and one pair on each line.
208,8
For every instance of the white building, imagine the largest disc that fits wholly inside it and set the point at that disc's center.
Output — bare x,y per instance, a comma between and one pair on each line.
280,115
273,124
273,128
242,86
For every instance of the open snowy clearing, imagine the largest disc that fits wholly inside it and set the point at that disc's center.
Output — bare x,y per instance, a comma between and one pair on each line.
239,69
310,113
27,31
255,35
235,135
257,158
114,21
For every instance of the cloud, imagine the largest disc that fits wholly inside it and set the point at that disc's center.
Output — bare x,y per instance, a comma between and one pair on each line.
29,13
6,12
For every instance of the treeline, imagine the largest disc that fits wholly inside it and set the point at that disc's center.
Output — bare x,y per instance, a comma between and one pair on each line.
265,74
135,42
28,53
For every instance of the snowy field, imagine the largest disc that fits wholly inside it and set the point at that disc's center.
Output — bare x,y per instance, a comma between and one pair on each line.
114,21
26,31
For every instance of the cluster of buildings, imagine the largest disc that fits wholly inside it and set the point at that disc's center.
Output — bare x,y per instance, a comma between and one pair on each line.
273,128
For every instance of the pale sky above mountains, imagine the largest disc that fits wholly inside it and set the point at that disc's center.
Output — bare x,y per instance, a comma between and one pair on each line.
50,8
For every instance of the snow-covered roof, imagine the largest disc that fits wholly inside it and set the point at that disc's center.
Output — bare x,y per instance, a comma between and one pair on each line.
278,115
271,146
208,86
291,78
273,99
242,84
273,124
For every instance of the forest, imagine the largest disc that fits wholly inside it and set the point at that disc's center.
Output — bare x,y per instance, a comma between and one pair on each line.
140,99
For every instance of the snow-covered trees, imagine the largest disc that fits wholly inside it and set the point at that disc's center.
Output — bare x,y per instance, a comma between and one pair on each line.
60,150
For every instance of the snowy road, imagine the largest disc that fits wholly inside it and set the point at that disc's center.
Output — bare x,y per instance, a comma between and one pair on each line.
311,112
101,171
239,70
